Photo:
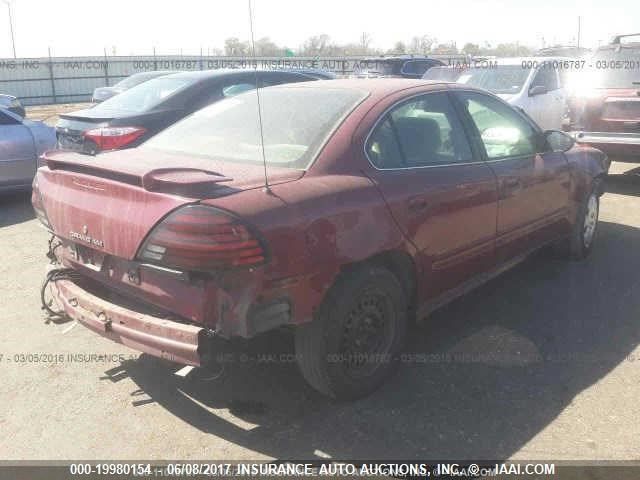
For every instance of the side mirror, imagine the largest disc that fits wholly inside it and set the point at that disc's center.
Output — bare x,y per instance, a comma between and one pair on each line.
559,141
537,90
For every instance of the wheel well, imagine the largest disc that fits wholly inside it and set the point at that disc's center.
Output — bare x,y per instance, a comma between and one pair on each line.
602,177
400,264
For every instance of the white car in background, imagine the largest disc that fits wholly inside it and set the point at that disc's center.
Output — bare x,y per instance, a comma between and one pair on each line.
534,84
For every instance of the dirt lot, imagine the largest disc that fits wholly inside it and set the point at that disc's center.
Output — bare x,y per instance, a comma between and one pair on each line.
544,363
49,113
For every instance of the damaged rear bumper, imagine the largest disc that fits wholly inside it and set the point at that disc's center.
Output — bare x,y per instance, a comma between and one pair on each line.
175,341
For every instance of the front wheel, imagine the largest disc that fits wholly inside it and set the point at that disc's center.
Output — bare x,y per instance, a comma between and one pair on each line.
583,236
351,347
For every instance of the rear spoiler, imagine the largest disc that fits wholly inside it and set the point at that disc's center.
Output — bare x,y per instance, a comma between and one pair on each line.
191,182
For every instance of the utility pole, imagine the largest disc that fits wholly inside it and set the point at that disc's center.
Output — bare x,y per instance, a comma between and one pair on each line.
13,40
579,22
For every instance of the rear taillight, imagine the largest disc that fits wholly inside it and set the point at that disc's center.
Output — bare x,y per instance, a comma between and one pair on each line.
38,205
202,238
111,138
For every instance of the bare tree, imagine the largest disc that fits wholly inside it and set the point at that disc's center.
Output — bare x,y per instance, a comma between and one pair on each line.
446,49
233,47
471,48
365,41
421,45
266,48
399,48
317,45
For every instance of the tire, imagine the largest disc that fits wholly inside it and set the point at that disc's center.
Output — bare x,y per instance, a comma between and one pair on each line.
580,244
352,345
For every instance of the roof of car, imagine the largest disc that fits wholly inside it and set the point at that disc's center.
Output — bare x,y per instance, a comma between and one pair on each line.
373,86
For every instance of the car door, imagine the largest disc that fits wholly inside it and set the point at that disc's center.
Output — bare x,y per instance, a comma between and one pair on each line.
17,151
533,181
443,196
546,98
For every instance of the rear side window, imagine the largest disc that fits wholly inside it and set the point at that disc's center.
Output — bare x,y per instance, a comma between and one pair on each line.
421,132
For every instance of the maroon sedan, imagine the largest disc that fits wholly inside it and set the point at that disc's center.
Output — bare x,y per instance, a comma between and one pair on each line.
383,200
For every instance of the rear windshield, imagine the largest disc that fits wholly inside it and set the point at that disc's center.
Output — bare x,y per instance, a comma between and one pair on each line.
145,96
506,79
296,123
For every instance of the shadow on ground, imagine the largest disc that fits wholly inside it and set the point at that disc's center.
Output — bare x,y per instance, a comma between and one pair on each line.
15,208
481,377
626,184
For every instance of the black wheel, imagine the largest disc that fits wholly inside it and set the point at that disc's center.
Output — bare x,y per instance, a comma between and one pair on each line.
580,244
351,347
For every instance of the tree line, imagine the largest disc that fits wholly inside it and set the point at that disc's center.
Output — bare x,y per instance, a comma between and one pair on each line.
323,45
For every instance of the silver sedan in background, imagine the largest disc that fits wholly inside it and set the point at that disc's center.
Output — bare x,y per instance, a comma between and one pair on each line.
22,142
101,94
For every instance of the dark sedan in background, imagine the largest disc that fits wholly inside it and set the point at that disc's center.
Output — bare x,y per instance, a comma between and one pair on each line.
408,66
132,117
101,94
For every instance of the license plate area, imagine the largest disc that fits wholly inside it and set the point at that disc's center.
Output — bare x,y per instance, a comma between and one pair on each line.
69,142
88,257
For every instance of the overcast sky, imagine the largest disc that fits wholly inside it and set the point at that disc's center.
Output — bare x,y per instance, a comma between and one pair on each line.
86,27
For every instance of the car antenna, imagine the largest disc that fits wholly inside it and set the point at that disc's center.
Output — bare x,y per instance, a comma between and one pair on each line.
267,189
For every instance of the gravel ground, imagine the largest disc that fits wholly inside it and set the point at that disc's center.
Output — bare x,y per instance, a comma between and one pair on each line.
49,113
541,363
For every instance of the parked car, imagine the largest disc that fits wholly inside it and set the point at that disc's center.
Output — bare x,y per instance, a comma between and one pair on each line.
22,141
134,116
604,99
534,84
563,51
447,73
13,104
359,202
404,66
101,94
315,73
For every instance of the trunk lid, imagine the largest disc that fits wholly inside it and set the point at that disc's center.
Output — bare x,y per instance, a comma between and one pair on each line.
110,202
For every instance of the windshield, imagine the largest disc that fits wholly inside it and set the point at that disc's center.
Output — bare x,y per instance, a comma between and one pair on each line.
506,79
145,96
296,123
610,69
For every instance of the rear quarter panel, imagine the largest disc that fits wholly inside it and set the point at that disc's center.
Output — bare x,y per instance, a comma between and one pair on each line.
315,227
